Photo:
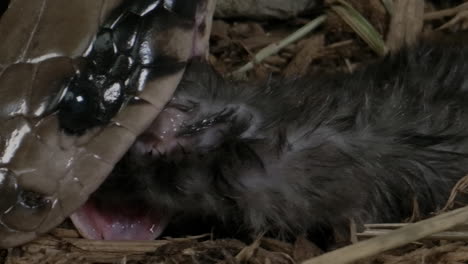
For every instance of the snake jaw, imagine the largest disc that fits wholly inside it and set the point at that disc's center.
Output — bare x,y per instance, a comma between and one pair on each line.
140,221
125,223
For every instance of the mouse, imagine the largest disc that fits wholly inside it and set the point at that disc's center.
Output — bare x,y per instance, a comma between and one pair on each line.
303,155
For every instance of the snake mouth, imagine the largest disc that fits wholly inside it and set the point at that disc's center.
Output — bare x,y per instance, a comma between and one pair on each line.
128,221
121,209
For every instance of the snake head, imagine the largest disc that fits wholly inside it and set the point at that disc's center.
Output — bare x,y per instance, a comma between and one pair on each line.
79,81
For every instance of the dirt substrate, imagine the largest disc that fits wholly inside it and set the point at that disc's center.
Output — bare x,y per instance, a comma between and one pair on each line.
333,46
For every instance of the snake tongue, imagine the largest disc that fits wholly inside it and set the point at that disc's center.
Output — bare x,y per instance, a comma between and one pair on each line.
125,223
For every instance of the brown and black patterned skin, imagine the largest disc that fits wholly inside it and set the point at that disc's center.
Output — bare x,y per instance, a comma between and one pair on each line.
308,154
79,80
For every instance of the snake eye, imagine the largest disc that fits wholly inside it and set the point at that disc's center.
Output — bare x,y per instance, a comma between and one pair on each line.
77,103
89,101
79,107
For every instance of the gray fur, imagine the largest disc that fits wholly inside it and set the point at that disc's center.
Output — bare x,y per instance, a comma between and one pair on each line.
299,155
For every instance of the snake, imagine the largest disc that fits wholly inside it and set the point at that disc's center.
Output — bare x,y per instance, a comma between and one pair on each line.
79,81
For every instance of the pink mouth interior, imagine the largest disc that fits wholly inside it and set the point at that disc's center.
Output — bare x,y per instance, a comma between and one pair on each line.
133,221
125,223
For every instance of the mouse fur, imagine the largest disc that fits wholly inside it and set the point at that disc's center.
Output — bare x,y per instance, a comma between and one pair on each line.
311,153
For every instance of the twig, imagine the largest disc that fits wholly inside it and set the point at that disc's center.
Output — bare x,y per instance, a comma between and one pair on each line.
448,235
389,6
460,186
247,252
387,226
340,44
396,238
361,26
81,245
94,251
459,18
64,233
445,12
275,47
406,24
